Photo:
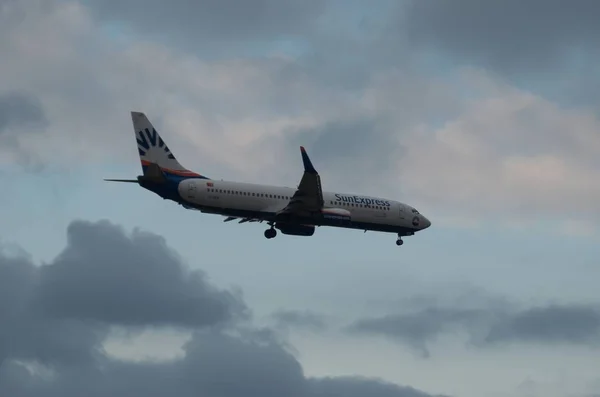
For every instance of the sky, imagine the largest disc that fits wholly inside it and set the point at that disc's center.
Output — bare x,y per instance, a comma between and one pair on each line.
485,116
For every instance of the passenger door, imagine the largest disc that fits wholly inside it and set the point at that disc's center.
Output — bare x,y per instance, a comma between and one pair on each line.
402,212
191,190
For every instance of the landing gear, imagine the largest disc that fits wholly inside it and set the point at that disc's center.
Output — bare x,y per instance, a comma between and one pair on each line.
399,241
270,233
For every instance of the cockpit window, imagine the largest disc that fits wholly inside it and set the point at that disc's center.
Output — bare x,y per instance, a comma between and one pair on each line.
415,211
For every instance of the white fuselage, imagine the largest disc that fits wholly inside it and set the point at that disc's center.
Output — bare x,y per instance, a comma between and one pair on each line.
233,198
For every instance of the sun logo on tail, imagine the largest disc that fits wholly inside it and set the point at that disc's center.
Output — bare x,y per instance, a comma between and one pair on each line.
146,139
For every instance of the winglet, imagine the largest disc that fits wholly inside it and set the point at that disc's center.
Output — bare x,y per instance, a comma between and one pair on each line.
308,167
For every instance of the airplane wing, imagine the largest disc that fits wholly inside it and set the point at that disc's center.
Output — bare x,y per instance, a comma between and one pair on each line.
308,198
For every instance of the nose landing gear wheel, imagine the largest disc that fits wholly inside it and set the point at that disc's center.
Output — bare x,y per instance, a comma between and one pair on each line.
270,233
399,242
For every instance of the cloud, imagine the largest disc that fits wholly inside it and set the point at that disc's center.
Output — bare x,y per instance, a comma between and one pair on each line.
419,328
18,109
578,324
492,323
356,386
30,334
489,147
211,20
299,319
22,117
149,283
533,36
509,151
62,311
56,318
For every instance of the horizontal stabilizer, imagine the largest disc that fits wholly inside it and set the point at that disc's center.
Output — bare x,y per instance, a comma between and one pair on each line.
122,180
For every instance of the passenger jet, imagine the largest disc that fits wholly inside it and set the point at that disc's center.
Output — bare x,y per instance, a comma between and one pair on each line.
293,211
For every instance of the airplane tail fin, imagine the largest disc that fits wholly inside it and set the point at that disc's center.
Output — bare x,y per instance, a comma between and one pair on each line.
154,153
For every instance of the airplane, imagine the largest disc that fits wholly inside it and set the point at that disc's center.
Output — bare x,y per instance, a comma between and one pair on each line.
293,211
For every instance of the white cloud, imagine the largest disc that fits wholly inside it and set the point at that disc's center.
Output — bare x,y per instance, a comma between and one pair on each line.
511,154
499,150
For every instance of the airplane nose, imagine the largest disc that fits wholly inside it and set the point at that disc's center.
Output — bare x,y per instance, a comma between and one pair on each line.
426,222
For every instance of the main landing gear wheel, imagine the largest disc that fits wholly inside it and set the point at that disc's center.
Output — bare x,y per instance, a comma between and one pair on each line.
399,242
270,233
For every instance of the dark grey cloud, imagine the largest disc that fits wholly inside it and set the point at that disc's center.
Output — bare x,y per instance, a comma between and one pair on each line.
555,323
29,334
21,113
495,325
215,364
300,319
148,282
419,328
19,109
57,316
510,35
61,311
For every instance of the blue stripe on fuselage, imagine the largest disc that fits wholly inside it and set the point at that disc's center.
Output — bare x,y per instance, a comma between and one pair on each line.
170,189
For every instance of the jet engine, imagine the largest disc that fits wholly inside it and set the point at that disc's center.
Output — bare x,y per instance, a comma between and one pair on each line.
296,230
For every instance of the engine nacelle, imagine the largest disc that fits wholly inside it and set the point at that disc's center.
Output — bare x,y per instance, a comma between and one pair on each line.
296,230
